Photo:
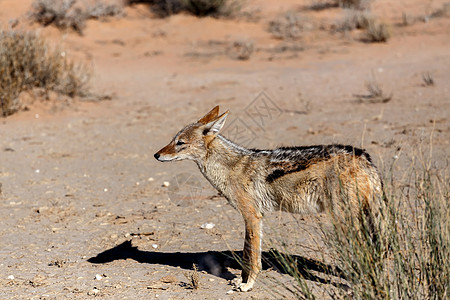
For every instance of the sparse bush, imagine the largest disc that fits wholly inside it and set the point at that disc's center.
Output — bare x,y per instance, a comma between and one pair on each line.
240,49
441,12
322,5
350,4
27,62
290,25
100,9
203,7
72,14
376,32
355,4
355,19
200,8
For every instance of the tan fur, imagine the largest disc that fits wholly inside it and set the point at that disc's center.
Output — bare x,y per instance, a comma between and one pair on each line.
299,179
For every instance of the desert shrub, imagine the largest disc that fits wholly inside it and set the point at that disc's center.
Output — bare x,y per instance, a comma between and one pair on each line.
72,14
59,13
26,62
376,32
200,8
203,7
290,25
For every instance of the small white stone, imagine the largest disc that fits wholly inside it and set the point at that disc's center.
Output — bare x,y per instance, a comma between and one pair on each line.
230,292
151,179
155,246
94,291
166,184
105,189
98,277
137,183
37,171
208,226
11,277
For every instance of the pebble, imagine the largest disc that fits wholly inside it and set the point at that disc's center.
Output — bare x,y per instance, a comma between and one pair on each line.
166,184
230,292
155,246
94,291
98,277
11,277
208,226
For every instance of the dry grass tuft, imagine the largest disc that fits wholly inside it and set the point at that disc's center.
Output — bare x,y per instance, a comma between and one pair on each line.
427,79
376,32
408,258
27,62
290,25
194,280
411,260
375,93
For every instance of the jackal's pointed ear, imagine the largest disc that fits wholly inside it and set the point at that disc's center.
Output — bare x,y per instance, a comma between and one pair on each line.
210,116
213,127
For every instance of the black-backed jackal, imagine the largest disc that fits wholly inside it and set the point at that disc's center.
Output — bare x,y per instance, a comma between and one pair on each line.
295,179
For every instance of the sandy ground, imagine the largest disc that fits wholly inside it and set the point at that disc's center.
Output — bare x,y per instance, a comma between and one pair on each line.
84,210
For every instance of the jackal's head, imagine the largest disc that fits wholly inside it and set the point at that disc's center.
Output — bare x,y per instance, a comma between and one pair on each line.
193,140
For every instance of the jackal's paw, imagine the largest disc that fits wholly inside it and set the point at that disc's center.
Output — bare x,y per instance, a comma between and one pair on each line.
242,286
236,282
245,287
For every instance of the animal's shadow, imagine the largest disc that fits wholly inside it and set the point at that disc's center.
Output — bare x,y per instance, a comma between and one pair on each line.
218,262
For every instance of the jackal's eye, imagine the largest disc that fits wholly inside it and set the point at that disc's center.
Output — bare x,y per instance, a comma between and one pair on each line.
179,143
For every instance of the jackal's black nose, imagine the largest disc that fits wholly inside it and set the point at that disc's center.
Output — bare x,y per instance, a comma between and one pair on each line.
156,155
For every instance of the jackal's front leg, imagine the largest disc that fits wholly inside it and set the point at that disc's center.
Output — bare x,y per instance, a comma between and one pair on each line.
252,254
252,246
